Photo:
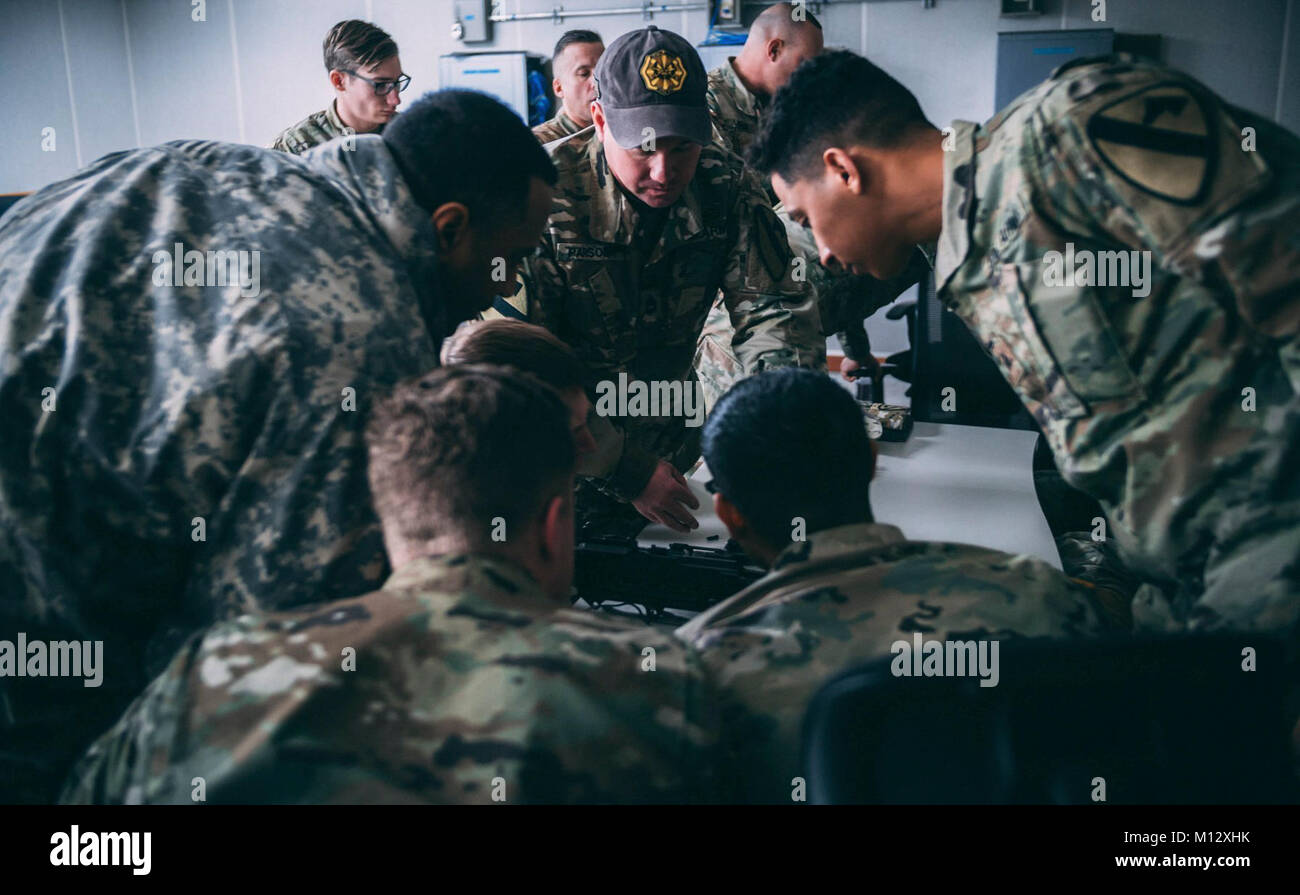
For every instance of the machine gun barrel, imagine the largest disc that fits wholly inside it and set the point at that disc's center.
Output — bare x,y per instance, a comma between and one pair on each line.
679,576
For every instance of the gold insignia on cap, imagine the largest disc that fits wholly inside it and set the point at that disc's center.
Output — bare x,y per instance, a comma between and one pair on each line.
663,72
1157,139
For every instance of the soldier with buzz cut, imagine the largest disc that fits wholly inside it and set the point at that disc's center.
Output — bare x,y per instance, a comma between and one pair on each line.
1126,246
842,588
366,75
650,220
573,63
191,336
467,679
781,38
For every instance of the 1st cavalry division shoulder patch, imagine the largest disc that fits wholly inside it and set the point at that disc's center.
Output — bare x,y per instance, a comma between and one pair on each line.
1158,140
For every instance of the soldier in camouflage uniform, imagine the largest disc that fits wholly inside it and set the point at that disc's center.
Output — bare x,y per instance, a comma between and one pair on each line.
317,128
573,63
781,38
366,74
466,680
557,128
1127,248
842,588
182,436
639,243
738,90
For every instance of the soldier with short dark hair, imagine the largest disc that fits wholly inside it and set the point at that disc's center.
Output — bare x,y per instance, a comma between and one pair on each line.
1126,246
190,338
843,589
467,679
365,73
573,63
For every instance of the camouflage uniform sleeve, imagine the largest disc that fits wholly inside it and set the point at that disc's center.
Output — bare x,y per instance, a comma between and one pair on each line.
624,466
1222,207
290,141
629,721
129,764
774,315
715,115
846,300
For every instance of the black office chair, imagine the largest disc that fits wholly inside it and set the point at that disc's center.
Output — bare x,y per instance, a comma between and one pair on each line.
1161,721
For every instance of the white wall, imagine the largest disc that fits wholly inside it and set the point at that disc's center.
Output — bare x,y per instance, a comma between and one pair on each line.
139,72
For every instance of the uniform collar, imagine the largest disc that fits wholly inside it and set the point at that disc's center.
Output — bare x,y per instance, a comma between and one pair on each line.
613,215
746,101
478,573
833,542
332,116
844,545
958,203
685,216
567,124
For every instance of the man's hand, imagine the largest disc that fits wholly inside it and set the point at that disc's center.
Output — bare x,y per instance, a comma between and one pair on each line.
852,369
666,497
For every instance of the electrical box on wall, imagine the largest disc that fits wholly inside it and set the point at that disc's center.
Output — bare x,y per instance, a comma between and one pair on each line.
1022,7
726,12
473,23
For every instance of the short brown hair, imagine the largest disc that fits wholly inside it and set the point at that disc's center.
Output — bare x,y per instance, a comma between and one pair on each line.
452,450
354,44
577,36
531,348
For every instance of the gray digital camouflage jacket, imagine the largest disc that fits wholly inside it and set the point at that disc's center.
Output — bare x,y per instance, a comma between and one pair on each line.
190,337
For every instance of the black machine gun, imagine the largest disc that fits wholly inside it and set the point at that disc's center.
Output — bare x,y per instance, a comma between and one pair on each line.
615,571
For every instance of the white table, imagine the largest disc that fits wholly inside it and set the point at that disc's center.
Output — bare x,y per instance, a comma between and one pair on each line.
965,484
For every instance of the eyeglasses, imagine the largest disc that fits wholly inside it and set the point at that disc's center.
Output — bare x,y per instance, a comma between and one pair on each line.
383,88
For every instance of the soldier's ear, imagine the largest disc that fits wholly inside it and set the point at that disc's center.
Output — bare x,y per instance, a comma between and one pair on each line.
451,223
731,516
738,526
844,167
557,527
336,79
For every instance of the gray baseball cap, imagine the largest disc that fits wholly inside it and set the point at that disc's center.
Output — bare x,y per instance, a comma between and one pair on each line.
655,79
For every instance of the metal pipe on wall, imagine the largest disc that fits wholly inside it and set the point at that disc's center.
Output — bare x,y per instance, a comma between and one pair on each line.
646,9
559,13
